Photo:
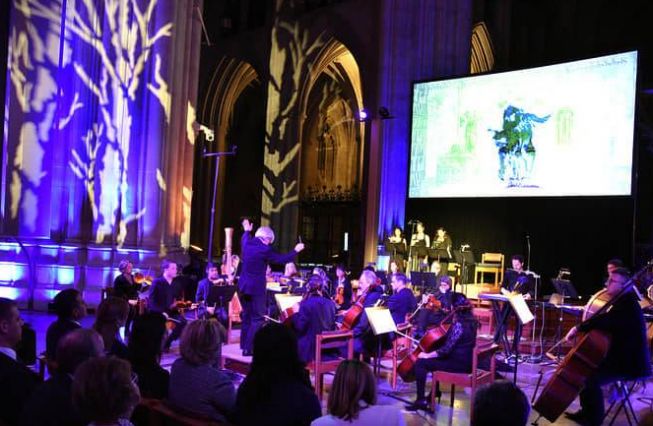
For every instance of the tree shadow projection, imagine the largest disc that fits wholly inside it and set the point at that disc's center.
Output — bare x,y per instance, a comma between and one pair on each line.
102,98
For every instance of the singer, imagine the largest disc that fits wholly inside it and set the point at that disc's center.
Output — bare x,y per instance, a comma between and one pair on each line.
257,253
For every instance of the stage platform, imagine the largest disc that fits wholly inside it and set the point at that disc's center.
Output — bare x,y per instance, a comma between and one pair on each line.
528,374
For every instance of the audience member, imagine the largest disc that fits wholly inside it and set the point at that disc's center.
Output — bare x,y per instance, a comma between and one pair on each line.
196,383
104,392
16,379
145,346
500,403
51,402
277,386
70,309
111,316
353,397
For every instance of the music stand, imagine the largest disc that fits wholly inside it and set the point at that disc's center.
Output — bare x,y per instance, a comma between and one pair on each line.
464,259
423,280
220,295
565,288
381,323
417,254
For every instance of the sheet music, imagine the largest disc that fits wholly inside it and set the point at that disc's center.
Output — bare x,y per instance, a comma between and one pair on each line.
285,301
380,320
519,305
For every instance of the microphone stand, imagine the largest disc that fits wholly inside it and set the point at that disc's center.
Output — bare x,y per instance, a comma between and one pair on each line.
217,156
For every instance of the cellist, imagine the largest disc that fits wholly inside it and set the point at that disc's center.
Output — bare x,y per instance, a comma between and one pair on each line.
364,339
455,355
627,358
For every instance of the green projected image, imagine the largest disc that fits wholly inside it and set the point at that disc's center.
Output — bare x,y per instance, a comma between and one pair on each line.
560,130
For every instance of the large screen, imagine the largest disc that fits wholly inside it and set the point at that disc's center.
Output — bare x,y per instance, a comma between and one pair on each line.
560,130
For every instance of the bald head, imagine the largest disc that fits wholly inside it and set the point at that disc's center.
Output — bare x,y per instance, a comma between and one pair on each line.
76,347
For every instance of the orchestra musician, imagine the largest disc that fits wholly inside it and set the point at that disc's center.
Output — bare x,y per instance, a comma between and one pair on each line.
515,280
402,302
343,287
442,244
126,287
316,314
162,300
432,316
419,242
628,356
396,244
364,341
204,286
328,291
257,253
455,355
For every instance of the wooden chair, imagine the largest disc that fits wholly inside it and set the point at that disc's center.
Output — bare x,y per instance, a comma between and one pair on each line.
320,366
153,412
485,318
477,377
491,263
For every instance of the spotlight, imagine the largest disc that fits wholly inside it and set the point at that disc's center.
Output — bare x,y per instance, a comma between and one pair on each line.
384,113
362,115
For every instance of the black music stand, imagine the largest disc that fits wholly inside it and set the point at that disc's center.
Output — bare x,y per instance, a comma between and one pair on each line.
417,254
464,259
423,280
220,295
565,288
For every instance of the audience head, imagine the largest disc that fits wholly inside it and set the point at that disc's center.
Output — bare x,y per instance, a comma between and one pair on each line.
76,347
354,383
200,342
265,234
103,390
125,266
11,324
112,313
146,339
500,403
69,305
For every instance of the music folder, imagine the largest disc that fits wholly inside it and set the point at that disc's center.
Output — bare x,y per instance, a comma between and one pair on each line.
285,301
519,305
380,320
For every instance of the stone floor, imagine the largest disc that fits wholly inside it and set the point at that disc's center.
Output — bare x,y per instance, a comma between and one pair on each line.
528,374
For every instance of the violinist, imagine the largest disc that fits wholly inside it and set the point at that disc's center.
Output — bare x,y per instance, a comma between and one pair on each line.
431,314
628,356
402,302
455,355
344,290
316,314
292,278
515,280
364,341
204,286
162,300
125,286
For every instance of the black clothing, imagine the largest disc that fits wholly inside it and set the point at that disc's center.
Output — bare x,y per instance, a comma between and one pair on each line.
628,357
364,339
291,403
455,355
515,282
162,296
402,304
18,382
252,284
55,332
51,404
316,314
348,293
125,289
428,317
152,380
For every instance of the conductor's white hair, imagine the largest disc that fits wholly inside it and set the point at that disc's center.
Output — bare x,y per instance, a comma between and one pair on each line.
265,232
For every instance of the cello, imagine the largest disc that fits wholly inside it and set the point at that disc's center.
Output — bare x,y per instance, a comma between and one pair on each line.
582,360
351,316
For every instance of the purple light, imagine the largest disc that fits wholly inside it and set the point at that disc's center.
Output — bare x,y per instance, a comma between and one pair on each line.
362,115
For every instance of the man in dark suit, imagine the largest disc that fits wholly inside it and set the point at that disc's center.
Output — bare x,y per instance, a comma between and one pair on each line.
70,309
51,403
402,302
515,280
162,300
316,314
628,356
257,253
17,380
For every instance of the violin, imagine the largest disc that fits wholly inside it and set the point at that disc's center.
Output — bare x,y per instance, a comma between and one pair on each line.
339,298
431,341
433,303
142,279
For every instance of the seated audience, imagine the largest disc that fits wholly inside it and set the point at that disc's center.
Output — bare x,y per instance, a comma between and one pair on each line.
145,347
316,314
456,353
277,389
70,309
104,392
111,316
500,403
196,383
51,402
353,397
17,380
